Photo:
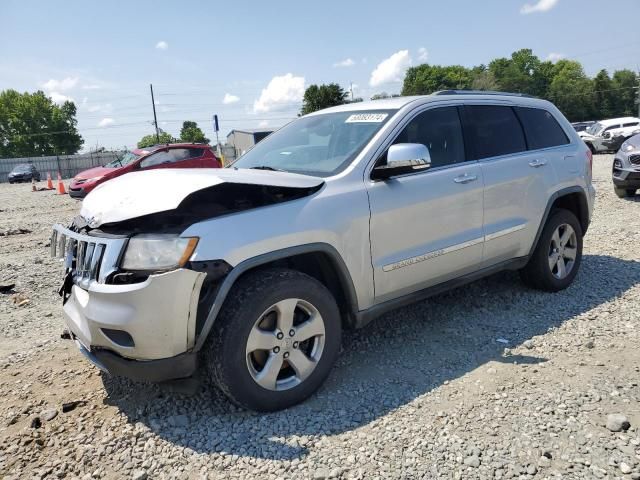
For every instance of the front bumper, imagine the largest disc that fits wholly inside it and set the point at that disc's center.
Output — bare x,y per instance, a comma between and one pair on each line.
77,192
626,177
151,320
125,327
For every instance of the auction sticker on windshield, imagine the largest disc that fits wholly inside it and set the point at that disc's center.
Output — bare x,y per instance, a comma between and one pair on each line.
366,118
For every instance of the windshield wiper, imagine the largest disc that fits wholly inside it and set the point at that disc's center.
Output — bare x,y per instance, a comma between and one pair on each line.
266,167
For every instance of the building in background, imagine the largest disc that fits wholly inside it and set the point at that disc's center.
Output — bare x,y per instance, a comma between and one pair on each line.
243,140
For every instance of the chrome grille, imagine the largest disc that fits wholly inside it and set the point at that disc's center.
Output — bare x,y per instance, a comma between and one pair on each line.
634,159
90,259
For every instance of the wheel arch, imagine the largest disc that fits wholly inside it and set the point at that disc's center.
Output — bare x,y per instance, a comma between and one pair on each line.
573,199
318,260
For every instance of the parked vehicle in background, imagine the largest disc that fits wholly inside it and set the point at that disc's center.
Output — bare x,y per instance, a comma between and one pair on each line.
251,272
581,126
599,132
626,168
613,143
176,155
24,172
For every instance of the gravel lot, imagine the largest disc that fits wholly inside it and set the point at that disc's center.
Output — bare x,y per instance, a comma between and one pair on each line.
488,381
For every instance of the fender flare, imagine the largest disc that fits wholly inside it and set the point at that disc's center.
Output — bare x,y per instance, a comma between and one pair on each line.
251,263
555,196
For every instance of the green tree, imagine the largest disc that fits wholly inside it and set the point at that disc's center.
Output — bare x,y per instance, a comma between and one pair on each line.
520,74
426,79
603,96
483,79
149,140
380,96
31,124
191,133
317,97
623,84
571,90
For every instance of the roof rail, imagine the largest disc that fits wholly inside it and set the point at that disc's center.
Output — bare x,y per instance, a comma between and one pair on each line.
481,92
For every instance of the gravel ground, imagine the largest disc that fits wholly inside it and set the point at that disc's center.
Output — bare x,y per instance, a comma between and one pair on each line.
491,380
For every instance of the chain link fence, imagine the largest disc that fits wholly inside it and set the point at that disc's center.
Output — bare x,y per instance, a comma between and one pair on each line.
67,165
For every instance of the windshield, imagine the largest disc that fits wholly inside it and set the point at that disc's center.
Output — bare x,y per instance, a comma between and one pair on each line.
125,159
319,145
22,168
595,129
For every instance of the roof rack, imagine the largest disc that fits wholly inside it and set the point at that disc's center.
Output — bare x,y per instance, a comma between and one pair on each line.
481,92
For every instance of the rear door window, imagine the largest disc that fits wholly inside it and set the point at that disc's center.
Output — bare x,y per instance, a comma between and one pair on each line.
541,128
494,130
172,155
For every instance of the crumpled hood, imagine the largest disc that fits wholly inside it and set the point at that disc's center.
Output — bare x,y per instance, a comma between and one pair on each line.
142,193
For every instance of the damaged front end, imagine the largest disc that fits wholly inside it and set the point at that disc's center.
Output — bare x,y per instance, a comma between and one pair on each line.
132,295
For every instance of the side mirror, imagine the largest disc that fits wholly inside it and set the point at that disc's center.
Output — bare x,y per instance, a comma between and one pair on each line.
403,158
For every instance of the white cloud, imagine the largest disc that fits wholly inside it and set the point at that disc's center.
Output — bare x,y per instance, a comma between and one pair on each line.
554,57
162,45
540,6
91,86
105,122
423,54
229,99
98,107
58,97
347,62
281,91
60,85
391,69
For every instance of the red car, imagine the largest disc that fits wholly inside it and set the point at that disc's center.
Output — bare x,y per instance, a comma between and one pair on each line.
175,155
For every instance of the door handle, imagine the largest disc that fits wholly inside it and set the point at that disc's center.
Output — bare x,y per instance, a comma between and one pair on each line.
537,163
466,178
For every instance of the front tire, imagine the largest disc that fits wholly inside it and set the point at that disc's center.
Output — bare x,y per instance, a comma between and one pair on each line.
275,340
557,256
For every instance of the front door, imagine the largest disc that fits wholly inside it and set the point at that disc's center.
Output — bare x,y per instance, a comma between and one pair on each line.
426,228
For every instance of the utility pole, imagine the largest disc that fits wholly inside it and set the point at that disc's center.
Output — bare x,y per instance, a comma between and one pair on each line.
351,88
155,119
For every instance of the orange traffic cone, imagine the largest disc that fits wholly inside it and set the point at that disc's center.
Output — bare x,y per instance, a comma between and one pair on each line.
49,182
33,184
61,190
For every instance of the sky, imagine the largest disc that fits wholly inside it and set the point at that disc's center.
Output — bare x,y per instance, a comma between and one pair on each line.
249,62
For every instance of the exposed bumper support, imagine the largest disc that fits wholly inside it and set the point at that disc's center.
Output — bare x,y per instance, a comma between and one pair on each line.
161,370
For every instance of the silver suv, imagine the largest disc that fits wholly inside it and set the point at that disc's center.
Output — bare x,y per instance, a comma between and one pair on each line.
252,272
626,168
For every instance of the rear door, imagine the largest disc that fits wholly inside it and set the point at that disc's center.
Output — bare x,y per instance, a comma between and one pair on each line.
517,181
426,227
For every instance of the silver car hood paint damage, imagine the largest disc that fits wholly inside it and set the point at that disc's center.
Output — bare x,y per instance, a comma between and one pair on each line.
142,193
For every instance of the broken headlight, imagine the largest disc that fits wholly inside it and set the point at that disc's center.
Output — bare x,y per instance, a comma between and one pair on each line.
158,252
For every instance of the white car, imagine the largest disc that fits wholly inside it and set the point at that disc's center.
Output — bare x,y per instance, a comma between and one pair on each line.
599,132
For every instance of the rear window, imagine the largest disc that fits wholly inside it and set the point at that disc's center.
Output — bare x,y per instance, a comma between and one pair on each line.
632,124
495,131
541,128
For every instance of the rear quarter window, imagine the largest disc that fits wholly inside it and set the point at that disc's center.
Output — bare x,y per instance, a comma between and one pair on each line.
541,128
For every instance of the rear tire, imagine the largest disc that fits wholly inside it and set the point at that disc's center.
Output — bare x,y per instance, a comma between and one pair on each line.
557,256
624,192
264,359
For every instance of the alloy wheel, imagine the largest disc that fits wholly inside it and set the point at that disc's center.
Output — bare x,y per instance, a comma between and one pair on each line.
563,250
285,344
